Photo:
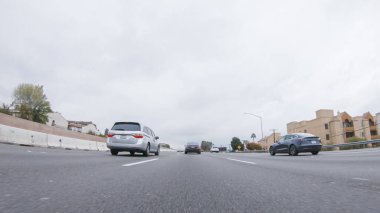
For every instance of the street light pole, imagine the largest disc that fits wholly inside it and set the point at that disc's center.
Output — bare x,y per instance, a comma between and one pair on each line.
261,122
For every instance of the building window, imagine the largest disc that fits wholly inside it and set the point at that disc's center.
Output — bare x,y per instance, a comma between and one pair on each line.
327,137
326,126
350,134
347,123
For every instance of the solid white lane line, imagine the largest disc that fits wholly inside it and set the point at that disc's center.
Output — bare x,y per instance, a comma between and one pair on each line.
241,161
363,179
145,161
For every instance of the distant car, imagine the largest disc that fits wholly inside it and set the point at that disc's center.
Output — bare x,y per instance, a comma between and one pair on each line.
192,147
296,143
132,137
214,149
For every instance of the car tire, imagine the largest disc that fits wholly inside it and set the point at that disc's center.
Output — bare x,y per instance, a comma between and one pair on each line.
271,151
132,153
114,152
147,151
199,153
315,153
185,153
158,151
293,150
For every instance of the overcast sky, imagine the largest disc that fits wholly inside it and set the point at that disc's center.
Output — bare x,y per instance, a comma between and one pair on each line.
190,69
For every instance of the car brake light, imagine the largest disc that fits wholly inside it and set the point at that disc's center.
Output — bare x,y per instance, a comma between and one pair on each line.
110,135
138,136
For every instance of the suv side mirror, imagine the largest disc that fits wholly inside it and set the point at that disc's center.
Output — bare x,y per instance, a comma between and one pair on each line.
157,137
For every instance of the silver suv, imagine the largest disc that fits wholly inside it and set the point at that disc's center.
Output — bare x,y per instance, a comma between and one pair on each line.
132,137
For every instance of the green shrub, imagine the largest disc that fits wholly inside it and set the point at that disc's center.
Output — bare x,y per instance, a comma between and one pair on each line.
355,139
345,147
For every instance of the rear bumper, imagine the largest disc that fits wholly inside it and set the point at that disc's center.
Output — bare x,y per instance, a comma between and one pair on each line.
139,147
310,148
193,150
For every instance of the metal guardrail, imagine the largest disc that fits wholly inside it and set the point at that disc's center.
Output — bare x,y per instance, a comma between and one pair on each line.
351,144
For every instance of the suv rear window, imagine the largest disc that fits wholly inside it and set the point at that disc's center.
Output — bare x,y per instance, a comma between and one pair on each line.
123,126
192,144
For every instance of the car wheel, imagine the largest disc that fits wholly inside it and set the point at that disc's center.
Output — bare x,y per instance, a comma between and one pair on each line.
158,151
199,153
132,153
185,153
147,151
114,152
293,150
314,153
271,151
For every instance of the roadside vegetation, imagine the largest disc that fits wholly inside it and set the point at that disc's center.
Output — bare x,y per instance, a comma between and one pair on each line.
5,109
254,146
206,145
30,103
351,140
165,145
236,144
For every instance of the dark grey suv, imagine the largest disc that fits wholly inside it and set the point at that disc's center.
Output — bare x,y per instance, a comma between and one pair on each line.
296,143
192,147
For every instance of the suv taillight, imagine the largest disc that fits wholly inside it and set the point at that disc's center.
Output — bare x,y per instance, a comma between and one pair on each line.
138,136
110,135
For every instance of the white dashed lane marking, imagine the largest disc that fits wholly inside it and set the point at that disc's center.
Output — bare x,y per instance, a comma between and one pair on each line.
363,179
145,161
241,161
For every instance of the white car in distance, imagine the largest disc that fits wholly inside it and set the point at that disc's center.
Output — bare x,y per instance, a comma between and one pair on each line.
214,149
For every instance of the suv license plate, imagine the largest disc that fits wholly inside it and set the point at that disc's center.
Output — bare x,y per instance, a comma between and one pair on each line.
313,142
123,137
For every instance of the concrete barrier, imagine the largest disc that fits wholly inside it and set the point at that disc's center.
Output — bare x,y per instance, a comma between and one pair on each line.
20,136
102,146
37,138
82,144
54,141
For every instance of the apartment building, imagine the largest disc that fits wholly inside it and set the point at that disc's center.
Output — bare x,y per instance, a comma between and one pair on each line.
337,129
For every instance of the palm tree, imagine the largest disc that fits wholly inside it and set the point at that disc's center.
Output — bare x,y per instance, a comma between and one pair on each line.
253,136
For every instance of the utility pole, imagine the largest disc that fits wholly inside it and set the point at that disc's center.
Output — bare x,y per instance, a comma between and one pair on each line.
274,135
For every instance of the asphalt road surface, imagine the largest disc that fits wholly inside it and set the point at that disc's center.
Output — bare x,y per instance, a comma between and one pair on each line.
54,180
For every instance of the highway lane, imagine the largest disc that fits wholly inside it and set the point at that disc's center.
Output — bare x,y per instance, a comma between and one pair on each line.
54,180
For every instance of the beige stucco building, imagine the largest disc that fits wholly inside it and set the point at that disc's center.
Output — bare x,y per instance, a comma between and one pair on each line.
56,119
267,141
336,129
83,126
